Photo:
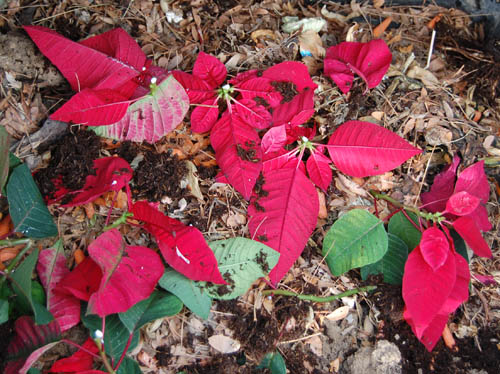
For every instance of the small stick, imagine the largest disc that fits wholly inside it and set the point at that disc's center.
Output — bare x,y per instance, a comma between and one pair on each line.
431,48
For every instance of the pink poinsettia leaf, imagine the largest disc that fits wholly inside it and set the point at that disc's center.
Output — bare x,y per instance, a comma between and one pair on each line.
29,343
283,214
210,69
79,361
318,169
204,116
183,247
51,269
130,273
462,203
442,188
274,139
82,281
298,132
466,227
291,71
361,149
197,89
261,90
280,158
429,334
82,66
295,112
246,75
251,113
487,280
425,291
91,107
434,247
111,174
474,181
238,152
369,60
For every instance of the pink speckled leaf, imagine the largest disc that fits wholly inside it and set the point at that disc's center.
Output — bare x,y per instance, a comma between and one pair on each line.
151,117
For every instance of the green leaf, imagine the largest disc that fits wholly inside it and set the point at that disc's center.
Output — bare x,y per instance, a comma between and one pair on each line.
158,305
241,262
115,336
27,208
356,239
400,226
129,366
274,362
188,291
460,246
392,265
23,287
4,311
4,157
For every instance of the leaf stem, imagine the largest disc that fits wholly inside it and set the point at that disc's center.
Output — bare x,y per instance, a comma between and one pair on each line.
104,358
80,347
319,299
119,221
19,256
124,351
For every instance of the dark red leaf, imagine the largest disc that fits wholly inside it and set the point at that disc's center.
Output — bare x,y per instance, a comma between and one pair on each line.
93,108
361,149
197,89
203,117
435,247
462,203
238,152
183,247
79,361
291,71
295,112
466,227
283,214
210,69
369,60
85,67
252,114
30,342
246,75
442,188
130,273
425,291
82,281
112,174
259,87
318,168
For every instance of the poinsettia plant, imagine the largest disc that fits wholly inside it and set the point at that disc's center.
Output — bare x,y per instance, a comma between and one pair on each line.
257,130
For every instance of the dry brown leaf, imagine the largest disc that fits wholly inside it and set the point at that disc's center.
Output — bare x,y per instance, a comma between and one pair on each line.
224,344
338,314
425,76
323,212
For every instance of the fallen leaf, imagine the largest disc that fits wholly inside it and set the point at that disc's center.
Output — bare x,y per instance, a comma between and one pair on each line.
224,344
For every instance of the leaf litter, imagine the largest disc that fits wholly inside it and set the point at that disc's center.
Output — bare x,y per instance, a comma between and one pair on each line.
455,94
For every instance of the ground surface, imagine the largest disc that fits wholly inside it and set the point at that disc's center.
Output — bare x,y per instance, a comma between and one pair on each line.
451,108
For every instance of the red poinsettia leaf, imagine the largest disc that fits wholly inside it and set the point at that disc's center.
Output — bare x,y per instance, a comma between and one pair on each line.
474,181
295,112
425,291
260,88
298,132
276,160
466,227
246,75
51,269
460,293
435,247
82,281
291,71
274,139
130,273
361,149
93,108
238,152
318,168
203,117
152,116
197,89
283,214
83,66
210,69
462,203
183,247
143,82
369,60
111,174
29,343
442,188
252,114
79,361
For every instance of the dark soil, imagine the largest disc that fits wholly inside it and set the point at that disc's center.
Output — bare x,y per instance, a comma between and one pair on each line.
6,334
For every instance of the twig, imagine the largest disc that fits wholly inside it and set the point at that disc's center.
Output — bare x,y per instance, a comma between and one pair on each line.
319,299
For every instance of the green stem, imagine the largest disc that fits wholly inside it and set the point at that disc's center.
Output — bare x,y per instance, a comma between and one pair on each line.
319,299
104,358
119,221
19,256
